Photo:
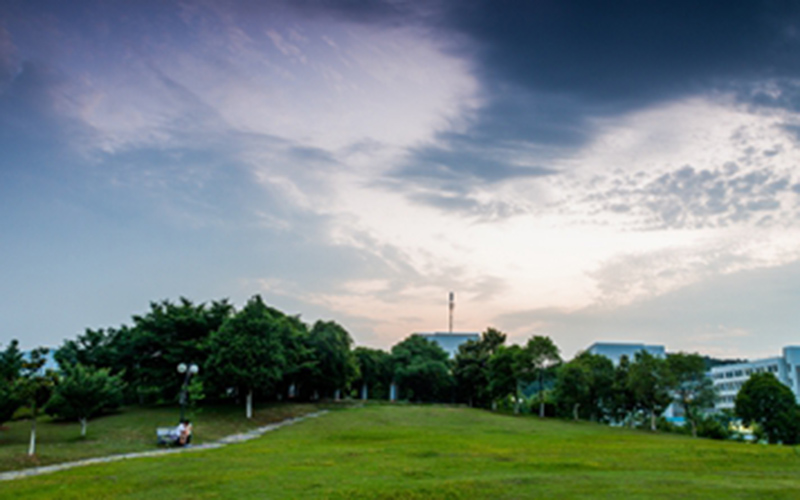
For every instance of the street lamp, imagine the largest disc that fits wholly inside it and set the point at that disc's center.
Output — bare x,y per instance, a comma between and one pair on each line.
189,370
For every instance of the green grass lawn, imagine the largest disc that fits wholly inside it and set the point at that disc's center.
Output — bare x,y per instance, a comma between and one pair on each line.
440,453
132,429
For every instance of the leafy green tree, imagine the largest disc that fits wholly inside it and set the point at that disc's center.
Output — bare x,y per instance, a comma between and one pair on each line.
542,353
94,348
248,353
586,387
505,372
10,365
623,400
573,383
692,388
83,392
147,353
421,369
335,366
765,401
170,334
35,387
471,367
375,372
649,381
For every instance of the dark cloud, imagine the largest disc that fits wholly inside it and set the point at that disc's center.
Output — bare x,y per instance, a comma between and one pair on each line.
548,67
630,52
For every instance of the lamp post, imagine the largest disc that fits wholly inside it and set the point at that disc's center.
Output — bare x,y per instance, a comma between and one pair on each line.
189,370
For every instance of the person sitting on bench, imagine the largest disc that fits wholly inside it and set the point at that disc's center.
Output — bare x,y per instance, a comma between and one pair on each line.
184,432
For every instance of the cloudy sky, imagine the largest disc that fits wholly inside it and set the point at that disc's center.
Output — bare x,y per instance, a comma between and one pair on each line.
618,172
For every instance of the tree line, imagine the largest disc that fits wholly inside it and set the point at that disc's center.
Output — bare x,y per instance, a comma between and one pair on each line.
260,352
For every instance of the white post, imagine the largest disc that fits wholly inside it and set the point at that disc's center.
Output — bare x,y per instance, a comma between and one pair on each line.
32,447
337,395
364,392
249,403
83,427
393,392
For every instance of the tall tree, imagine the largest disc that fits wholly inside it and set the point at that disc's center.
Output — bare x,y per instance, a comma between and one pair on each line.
573,383
649,381
35,387
764,400
247,351
83,392
375,372
170,334
471,367
10,365
421,369
692,388
542,353
584,385
505,367
335,366
623,401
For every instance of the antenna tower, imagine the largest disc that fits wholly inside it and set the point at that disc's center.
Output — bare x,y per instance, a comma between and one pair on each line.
452,306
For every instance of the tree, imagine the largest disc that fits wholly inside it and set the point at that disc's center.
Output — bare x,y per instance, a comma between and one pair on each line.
335,366
648,379
573,382
169,334
692,388
421,369
623,400
542,353
10,366
765,401
247,351
504,374
471,367
375,372
586,387
83,392
35,387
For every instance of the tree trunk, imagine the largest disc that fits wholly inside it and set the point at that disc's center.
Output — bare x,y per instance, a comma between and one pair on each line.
516,400
694,427
32,446
653,420
541,394
249,410
575,411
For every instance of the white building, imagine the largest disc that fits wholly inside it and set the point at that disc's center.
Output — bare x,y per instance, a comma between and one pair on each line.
614,351
450,341
728,379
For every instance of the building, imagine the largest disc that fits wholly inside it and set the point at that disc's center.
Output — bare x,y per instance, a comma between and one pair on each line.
450,341
728,379
614,351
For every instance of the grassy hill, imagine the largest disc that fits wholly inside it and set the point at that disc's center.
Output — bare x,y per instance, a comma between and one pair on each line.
440,453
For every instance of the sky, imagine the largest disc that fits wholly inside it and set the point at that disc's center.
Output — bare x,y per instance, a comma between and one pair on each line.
592,171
